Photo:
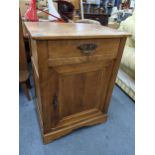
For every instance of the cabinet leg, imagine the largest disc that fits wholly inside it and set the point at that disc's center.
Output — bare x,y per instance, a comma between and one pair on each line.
28,83
26,91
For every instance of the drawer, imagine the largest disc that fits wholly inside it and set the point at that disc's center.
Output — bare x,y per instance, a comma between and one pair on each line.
77,51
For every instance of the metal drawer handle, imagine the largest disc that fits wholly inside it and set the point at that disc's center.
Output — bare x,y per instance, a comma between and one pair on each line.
87,48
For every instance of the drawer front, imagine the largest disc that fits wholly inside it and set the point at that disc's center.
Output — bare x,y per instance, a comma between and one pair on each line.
77,51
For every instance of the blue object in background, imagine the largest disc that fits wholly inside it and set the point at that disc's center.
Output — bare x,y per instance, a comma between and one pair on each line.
117,3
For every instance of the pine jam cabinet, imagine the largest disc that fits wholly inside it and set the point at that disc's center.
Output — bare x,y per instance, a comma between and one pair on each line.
75,67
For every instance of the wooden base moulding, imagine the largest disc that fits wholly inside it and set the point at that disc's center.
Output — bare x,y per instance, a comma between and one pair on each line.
68,125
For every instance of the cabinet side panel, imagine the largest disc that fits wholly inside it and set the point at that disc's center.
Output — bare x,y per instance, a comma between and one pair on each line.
105,83
37,95
34,55
114,74
45,84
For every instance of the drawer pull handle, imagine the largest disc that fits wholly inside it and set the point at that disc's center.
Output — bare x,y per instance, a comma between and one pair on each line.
87,48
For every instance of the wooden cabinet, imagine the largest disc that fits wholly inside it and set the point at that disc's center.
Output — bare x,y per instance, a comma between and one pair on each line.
75,66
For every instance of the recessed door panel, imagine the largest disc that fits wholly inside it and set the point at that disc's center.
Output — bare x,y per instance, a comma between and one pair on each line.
83,91
79,92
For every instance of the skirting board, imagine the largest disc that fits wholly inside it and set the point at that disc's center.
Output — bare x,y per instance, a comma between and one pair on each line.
62,132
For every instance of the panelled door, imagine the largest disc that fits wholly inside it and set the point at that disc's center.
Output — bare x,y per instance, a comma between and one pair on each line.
80,91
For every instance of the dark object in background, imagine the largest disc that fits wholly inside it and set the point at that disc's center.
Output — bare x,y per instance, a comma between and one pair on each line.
23,65
102,18
99,12
122,16
27,48
117,3
109,7
126,5
66,10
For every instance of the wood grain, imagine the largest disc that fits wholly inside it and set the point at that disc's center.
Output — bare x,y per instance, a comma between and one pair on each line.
69,48
49,30
62,132
114,74
77,60
81,68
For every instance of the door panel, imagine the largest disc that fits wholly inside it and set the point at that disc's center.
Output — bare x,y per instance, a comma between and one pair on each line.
80,92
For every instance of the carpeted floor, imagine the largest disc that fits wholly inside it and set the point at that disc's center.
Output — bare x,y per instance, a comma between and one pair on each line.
115,137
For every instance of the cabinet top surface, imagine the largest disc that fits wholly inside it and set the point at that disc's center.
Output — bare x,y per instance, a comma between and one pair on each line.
49,30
